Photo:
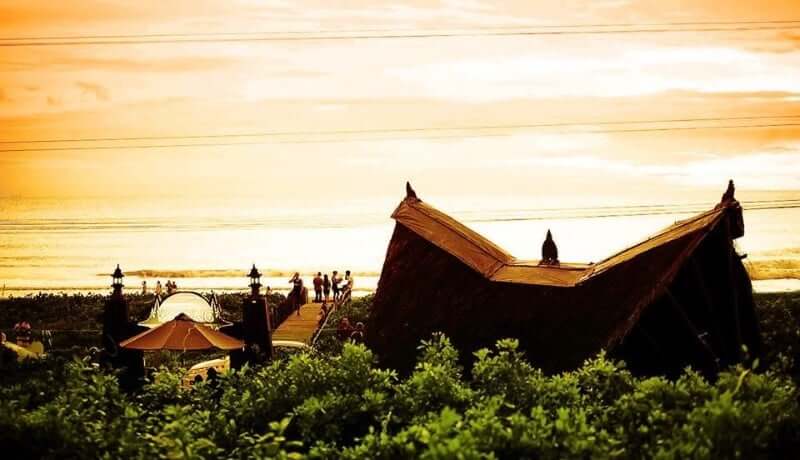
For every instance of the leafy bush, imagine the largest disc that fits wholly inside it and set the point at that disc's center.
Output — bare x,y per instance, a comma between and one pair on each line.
779,318
344,406
357,310
341,405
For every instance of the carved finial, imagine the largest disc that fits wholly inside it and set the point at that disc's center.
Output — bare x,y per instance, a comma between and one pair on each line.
410,193
728,195
549,250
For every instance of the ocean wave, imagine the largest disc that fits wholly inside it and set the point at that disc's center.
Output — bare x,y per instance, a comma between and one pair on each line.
778,253
225,273
759,269
775,266
774,269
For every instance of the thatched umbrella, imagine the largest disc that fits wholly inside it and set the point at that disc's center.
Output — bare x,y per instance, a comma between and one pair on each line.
182,333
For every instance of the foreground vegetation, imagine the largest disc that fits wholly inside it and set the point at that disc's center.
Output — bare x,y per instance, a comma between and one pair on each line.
345,407
339,404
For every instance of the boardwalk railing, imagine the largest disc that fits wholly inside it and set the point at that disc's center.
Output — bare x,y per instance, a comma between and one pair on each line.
336,305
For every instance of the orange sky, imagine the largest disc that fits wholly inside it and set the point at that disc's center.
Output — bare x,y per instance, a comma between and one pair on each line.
216,88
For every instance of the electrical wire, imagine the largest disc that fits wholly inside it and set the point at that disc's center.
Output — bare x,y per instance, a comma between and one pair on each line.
625,214
401,130
325,36
407,29
383,139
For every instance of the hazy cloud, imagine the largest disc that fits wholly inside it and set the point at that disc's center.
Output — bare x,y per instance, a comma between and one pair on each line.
133,64
100,92
378,84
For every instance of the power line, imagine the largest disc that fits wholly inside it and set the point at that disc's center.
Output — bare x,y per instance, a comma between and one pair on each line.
645,207
620,214
689,128
397,138
516,27
407,29
574,212
322,36
397,130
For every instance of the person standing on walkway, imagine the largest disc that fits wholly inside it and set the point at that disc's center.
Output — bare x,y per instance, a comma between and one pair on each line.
326,288
335,284
159,289
347,290
297,291
144,287
318,288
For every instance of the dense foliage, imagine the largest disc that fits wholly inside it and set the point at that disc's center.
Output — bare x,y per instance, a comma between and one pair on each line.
345,407
356,311
339,404
779,319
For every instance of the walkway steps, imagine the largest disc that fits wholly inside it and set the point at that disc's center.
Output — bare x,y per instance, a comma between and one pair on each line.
299,328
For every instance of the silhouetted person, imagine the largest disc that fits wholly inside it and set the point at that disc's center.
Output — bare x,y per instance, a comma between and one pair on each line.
212,380
335,280
318,287
357,336
211,376
549,251
297,291
344,329
144,287
326,287
347,291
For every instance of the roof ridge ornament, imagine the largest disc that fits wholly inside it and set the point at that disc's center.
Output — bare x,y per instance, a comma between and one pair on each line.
549,250
410,193
729,192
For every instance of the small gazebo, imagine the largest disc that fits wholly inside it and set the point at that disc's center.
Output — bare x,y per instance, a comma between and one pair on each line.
202,309
182,333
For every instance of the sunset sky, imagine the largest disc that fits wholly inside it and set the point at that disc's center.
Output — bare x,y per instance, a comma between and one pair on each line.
215,88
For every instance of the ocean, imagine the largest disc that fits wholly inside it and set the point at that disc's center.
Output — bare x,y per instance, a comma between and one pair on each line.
72,245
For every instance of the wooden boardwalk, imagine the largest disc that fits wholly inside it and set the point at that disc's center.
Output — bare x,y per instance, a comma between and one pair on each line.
299,328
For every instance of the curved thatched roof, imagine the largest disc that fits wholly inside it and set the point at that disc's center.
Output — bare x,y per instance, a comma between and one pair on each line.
495,264
440,275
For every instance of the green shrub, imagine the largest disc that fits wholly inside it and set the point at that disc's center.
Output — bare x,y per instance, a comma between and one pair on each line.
343,406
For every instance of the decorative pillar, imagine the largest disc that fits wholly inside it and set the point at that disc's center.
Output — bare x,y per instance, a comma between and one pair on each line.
256,329
116,328
549,251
